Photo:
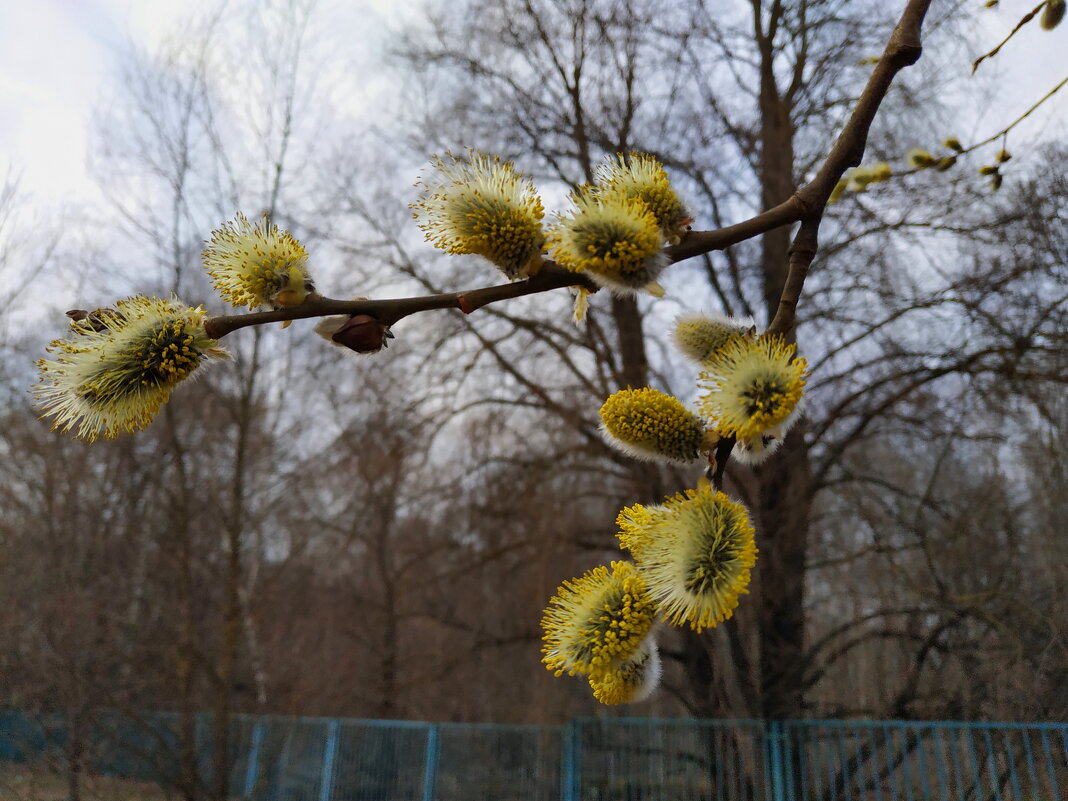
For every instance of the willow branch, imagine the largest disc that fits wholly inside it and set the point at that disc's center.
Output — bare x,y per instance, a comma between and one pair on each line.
388,312
903,50
698,243
1019,119
1026,18
802,251
805,206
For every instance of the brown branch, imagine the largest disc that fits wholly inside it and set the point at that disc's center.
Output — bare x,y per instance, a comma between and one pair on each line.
805,206
802,252
900,706
808,203
1026,18
551,276
903,50
1019,119
719,461
816,648
697,243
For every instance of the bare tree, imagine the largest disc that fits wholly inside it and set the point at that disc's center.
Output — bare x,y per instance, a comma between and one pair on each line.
557,86
397,524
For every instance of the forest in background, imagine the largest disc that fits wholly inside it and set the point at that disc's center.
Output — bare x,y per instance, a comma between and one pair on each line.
309,531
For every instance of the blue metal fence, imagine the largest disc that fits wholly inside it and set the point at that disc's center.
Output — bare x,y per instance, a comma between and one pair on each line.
589,759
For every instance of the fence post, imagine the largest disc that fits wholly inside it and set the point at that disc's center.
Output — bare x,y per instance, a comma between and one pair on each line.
566,767
776,765
430,765
253,759
326,784
571,762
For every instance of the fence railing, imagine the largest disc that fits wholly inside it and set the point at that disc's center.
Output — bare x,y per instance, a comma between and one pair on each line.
588,759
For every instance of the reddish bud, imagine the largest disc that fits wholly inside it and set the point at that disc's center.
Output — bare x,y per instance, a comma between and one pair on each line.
363,334
95,320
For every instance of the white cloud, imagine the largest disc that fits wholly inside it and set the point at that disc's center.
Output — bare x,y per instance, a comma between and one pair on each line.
54,57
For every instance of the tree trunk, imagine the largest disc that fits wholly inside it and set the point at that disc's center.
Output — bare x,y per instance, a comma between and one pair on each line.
183,657
634,364
783,517
75,752
785,494
648,484
227,667
232,619
700,675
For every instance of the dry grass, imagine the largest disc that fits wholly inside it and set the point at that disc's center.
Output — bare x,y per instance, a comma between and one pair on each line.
42,782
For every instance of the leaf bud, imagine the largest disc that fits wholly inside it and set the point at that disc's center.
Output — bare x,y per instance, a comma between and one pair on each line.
920,158
838,191
360,332
1052,14
881,171
82,321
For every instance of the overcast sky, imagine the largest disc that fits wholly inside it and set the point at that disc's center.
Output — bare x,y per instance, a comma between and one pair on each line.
55,57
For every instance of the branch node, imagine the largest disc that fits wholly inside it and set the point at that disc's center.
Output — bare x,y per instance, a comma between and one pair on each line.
905,55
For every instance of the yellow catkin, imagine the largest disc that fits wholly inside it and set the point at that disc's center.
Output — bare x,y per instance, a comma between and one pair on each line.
695,552
700,336
649,424
639,175
920,158
485,207
257,264
751,385
597,620
107,379
631,680
612,238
